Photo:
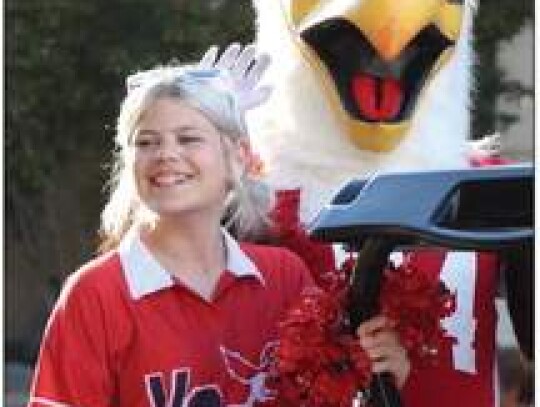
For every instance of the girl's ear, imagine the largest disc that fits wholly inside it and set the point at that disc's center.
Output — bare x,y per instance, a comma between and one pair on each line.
249,160
243,152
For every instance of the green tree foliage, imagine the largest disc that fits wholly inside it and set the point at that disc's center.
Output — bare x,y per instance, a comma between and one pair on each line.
496,21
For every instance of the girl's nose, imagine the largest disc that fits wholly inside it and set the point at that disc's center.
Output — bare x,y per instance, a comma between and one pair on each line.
165,153
169,150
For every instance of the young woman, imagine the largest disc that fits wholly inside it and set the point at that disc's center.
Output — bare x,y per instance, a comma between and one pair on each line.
177,312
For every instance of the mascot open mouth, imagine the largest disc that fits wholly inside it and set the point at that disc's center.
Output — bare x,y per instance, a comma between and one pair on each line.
370,88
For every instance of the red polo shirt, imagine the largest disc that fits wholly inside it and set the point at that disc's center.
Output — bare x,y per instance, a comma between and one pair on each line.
124,333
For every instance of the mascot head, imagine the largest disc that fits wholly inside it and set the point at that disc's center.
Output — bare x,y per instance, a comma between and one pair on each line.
362,86
374,58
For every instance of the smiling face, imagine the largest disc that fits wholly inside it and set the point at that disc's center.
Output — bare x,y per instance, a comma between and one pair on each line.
375,58
179,160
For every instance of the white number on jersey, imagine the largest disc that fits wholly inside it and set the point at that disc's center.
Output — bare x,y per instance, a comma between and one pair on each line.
459,273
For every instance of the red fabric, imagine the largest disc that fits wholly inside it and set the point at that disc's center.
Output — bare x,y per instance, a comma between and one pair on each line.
484,160
318,256
319,363
169,348
441,385
444,385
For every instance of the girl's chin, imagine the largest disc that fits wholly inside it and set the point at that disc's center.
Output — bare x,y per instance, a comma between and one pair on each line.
175,210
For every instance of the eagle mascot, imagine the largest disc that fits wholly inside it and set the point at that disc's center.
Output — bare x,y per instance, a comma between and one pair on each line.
368,86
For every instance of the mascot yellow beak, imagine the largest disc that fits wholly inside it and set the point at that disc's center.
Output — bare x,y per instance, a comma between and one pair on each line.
374,58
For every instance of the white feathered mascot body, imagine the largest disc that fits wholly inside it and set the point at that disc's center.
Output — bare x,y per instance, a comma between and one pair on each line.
368,86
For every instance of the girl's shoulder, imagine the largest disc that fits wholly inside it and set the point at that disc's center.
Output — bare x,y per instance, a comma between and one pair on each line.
101,275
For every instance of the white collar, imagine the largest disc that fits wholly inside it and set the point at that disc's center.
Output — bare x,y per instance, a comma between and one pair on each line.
144,275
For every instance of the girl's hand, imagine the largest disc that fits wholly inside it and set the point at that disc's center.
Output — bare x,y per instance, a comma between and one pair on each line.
379,339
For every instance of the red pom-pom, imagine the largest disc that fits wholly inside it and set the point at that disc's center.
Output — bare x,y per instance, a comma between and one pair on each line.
318,363
417,303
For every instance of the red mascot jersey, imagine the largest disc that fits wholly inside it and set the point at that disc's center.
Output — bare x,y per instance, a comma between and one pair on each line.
465,375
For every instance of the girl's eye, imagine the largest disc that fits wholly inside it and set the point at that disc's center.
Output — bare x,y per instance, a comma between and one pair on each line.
188,139
143,142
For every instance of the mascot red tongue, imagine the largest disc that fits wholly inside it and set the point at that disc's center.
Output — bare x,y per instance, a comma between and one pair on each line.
377,99
365,86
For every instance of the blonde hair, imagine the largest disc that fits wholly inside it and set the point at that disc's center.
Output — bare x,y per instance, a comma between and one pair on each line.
246,208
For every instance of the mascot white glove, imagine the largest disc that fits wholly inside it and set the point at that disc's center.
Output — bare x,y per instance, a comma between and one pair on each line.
245,68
